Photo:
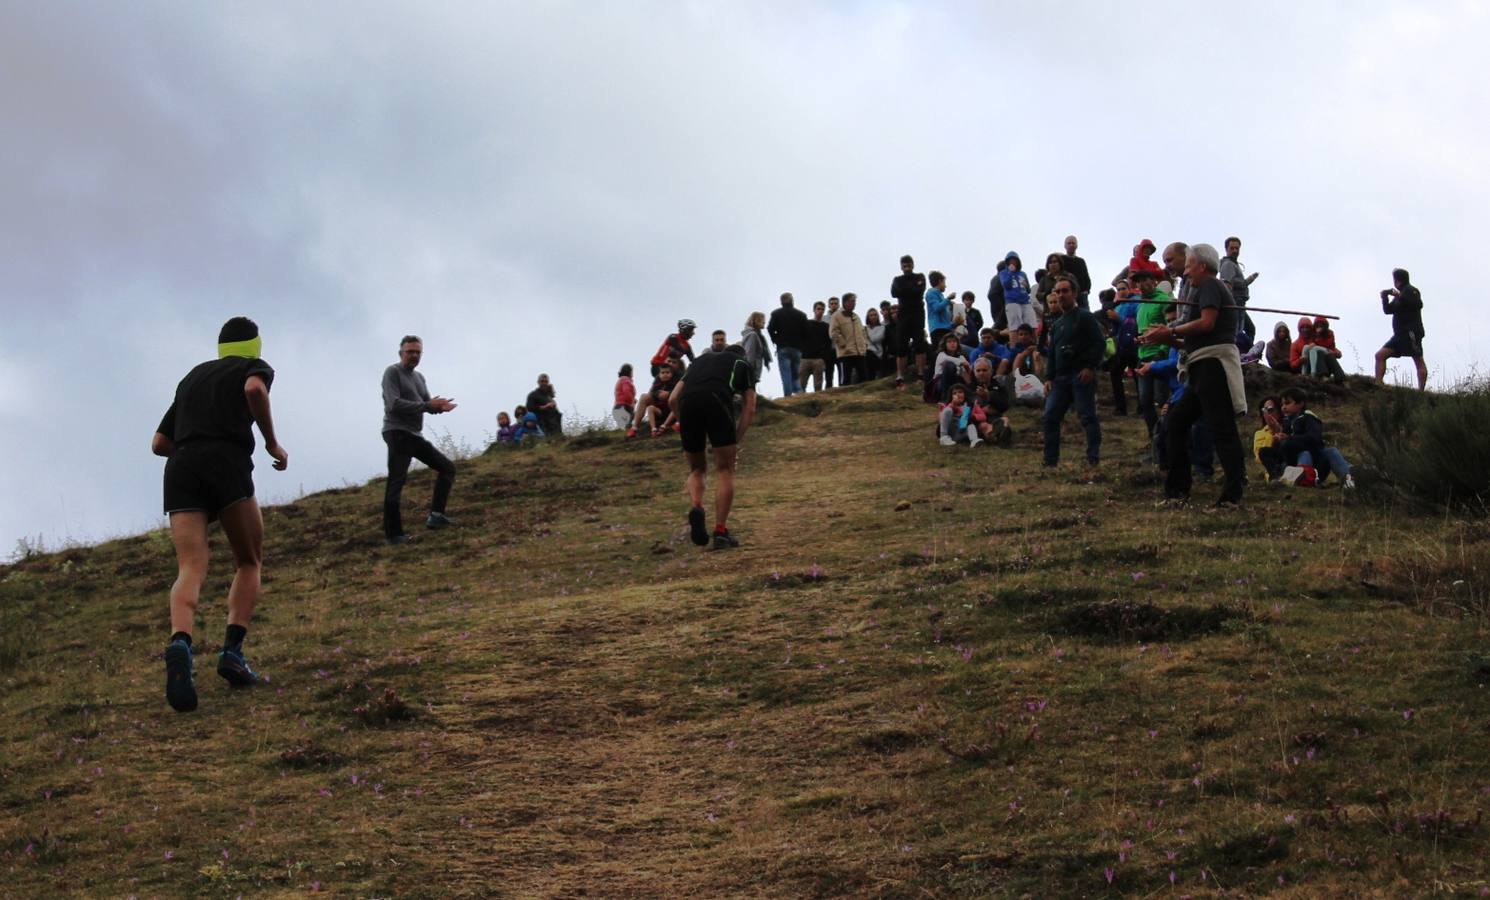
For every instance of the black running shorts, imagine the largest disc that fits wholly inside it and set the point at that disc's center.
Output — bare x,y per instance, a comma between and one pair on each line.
911,337
703,416
207,479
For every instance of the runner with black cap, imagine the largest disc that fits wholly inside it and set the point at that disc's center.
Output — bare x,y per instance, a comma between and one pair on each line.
705,406
207,439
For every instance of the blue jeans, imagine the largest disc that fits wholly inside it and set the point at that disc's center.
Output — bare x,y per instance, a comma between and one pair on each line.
788,361
1333,456
1065,390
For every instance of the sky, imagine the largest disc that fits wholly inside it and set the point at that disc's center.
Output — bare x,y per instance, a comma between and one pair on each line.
550,186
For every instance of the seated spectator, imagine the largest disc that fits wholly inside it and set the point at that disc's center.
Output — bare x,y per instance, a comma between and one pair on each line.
1024,356
951,368
653,410
1303,442
990,395
988,346
527,425
958,420
542,403
625,399
506,431
1265,439
1324,359
1280,349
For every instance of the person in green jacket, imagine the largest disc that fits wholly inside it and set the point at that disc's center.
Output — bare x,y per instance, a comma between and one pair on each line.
1076,348
1151,312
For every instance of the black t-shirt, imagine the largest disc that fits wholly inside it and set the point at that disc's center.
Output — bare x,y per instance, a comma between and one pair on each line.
1211,293
818,344
721,374
210,405
909,290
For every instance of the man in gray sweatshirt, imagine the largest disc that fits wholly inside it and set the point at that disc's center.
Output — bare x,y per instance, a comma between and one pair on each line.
405,401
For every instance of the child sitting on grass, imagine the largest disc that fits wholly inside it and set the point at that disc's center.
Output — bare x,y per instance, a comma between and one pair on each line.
1302,445
961,422
1267,436
505,430
951,368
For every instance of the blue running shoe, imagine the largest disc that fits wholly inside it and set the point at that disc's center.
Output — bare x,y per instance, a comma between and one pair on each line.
232,666
181,688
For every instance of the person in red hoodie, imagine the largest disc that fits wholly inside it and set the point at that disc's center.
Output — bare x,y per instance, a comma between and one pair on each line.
625,396
1141,262
1324,338
1312,355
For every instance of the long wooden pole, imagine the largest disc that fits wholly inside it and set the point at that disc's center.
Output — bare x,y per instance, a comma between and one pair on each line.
1286,312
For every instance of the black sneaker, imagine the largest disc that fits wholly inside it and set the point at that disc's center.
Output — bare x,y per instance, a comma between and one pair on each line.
181,688
723,540
696,528
234,668
438,520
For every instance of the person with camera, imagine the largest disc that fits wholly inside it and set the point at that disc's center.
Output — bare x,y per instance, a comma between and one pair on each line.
1405,305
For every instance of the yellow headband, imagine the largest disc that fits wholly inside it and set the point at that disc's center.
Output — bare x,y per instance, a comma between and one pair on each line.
249,348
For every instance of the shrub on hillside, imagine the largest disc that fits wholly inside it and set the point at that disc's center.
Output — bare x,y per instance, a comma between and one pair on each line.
1434,447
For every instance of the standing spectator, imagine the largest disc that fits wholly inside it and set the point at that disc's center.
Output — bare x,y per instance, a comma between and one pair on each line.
753,342
625,399
938,308
1077,266
1054,268
1015,290
1236,278
788,330
815,349
1280,349
675,348
996,297
1174,274
1215,373
892,342
1404,304
850,342
874,344
832,360
1076,346
1152,389
972,318
541,401
405,401
718,340
909,288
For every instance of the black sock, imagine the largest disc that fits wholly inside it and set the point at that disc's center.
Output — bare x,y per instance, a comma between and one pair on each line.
236,634
180,636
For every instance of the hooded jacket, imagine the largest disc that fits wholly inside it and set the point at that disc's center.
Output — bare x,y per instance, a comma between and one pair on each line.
1015,284
1306,336
1280,349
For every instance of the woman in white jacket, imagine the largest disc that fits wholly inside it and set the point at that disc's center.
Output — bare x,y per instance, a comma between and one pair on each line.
753,339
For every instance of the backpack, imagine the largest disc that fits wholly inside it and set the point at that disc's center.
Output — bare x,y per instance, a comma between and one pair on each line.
1127,338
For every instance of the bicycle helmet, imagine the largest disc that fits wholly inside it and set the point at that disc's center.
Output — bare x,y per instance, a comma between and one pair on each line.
686,325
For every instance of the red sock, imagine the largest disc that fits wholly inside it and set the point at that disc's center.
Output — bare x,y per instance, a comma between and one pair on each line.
720,529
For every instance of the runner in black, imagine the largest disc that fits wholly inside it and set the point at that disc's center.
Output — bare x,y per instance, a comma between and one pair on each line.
207,439
704,404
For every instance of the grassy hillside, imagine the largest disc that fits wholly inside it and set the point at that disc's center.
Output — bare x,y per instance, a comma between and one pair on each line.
927,672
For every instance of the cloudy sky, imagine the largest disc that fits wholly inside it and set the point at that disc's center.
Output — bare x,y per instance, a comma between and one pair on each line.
549,186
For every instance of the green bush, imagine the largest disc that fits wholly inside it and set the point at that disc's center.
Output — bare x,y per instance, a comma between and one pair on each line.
1433,447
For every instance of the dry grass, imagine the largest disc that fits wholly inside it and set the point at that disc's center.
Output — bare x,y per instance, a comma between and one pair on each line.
1022,683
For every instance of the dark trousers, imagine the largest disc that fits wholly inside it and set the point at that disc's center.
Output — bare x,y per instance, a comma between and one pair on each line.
1064,391
1208,398
852,369
402,447
1150,388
